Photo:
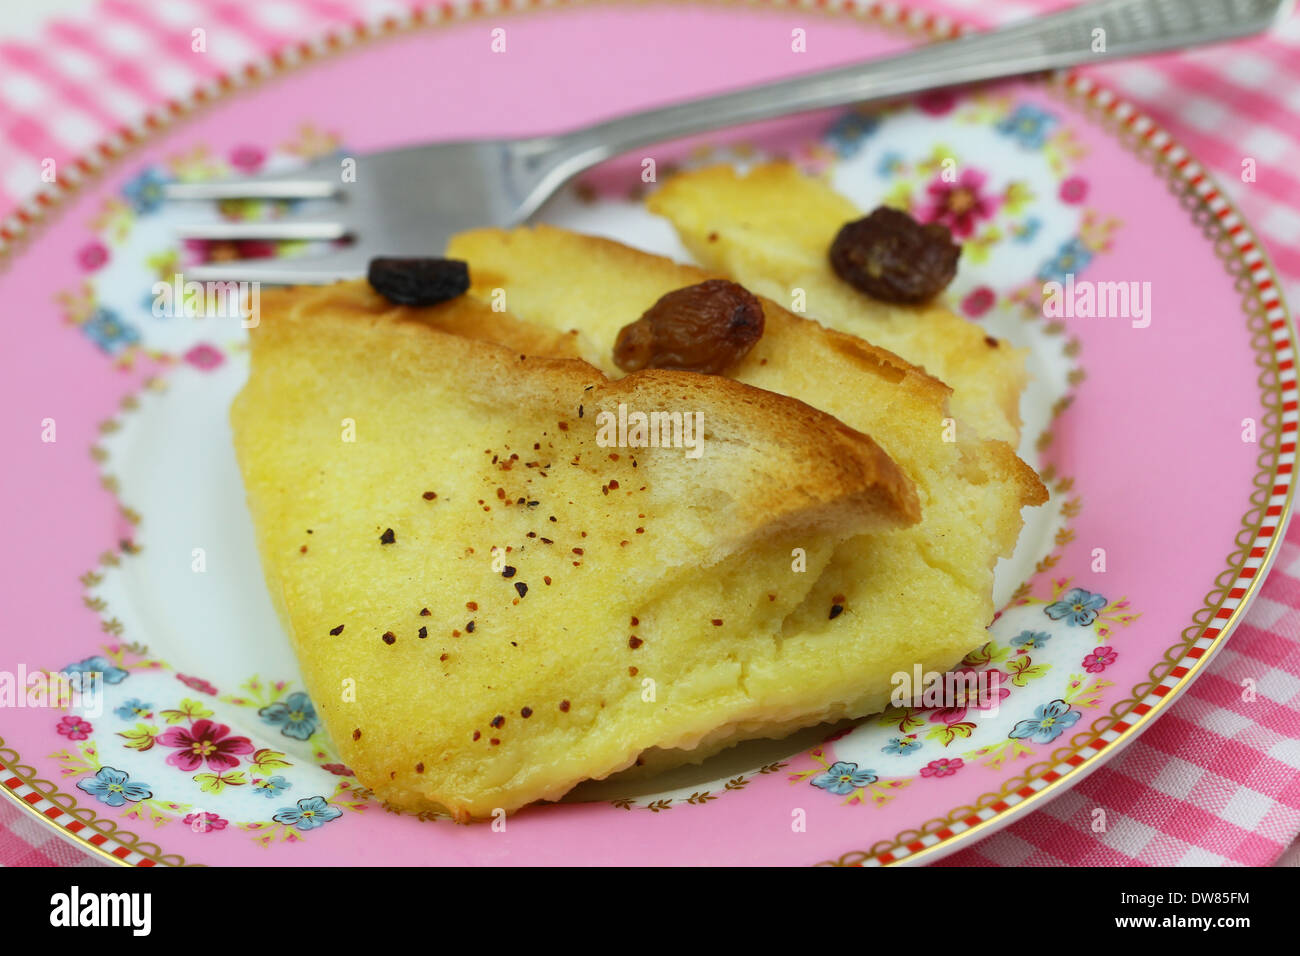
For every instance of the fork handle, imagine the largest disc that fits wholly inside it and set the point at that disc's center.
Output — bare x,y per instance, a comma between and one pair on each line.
1056,41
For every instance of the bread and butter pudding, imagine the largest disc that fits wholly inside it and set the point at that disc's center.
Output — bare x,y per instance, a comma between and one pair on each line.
489,605
493,598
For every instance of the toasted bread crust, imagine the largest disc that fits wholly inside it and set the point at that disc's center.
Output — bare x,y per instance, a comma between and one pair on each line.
840,464
530,251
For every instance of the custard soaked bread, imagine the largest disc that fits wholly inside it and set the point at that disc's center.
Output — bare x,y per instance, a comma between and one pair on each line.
887,600
488,604
771,230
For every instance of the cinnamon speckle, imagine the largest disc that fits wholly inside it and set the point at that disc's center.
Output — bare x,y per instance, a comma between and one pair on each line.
356,733
634,642
564,706
717,622
526,713
498,721
430,495
390,637
424,612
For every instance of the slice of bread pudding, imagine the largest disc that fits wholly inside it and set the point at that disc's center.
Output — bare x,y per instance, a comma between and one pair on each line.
490,602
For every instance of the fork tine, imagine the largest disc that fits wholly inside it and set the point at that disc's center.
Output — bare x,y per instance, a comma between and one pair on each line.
274,229
303,270
253,189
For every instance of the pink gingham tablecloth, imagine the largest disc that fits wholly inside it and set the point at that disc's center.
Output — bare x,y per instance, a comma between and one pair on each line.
1214,781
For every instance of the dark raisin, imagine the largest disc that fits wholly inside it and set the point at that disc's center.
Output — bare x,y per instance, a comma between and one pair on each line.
418,281
892,257
707,327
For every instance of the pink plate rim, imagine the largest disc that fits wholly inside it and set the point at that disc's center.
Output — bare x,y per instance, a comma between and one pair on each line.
1224,606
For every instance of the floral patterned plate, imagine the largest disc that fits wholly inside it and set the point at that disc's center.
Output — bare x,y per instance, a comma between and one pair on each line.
1167,437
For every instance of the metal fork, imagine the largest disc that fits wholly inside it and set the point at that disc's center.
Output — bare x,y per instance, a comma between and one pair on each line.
410,201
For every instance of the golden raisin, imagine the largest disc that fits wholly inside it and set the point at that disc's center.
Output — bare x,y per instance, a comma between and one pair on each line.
892,257
707,327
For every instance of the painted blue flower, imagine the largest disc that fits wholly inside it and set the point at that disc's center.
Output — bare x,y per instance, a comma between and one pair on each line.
114,787
295,716
1028,125
272,786
1076,606
1031,639
889,164
111,673
850,131
1048,723
901,745
145,191
1070,259
1026,231
107,330
311,812
843,778
133,709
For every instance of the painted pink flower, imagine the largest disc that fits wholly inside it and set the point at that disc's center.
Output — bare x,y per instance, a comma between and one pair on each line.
338,769
205,822
1074,189
199,251
204,357
74,728
977,302
958,205
247,159
937,102
92,256
957,713
1098,660
205,742
943,767
196,683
